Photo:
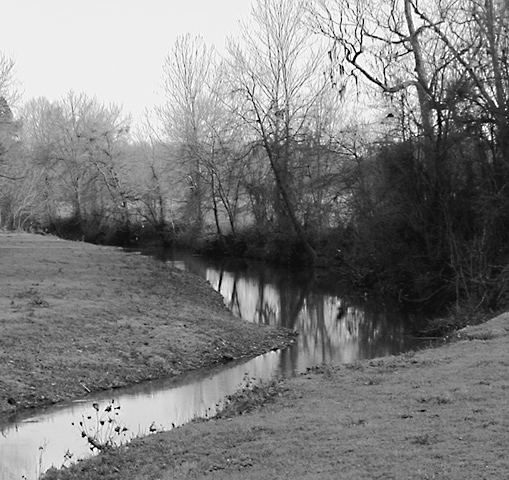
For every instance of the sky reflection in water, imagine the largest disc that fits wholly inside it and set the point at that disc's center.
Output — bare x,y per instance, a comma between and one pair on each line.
331,330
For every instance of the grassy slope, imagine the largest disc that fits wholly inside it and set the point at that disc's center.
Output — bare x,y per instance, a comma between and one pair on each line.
442,413
76,318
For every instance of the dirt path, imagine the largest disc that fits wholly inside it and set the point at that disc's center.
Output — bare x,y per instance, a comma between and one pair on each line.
442,413
76,318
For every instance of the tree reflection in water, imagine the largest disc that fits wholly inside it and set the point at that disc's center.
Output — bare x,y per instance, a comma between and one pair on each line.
332,329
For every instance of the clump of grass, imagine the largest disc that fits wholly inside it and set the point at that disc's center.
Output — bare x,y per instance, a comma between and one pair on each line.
437,399
371,380
487,335
102,430
251,397
28,293
34,298
425,439
354,422
38,302
356,365
326,370
457,317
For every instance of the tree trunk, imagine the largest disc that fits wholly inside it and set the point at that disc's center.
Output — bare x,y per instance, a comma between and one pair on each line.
290,210
422,76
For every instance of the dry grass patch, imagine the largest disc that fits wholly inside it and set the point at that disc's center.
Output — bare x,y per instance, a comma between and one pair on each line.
77,318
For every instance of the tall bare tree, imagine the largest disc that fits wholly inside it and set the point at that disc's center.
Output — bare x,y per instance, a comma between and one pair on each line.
277,75
209,139
474,36
384,44
8,80
8,96
10,172
184,115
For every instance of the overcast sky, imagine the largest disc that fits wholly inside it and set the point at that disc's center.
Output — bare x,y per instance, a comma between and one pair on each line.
113,49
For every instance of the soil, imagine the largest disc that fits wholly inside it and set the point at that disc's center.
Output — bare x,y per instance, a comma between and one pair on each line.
77,318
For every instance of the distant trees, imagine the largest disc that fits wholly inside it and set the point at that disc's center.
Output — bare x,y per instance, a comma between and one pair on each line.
248,142
375,134
205,134
9,145
7,132
77,147
156,190
6,117
8,80
184,115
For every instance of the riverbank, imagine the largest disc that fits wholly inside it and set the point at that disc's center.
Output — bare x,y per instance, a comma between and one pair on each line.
441,413
78,318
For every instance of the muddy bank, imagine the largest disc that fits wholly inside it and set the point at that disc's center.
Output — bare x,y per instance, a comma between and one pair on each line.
77,318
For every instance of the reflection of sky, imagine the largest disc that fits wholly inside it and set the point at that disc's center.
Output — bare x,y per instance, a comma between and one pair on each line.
166,404
331,331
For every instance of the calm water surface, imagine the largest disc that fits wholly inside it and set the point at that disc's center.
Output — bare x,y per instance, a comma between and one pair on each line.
332,329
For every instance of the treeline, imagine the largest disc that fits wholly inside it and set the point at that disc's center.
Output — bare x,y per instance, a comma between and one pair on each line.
373,136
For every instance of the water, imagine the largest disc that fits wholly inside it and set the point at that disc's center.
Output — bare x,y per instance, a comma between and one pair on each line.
332,330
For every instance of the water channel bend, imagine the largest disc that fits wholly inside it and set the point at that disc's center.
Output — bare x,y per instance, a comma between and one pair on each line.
331,331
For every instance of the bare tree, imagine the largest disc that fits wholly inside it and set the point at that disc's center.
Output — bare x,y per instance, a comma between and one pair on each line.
10,173
184,114
210,141
77,142
382,43
8,81
277,75
157,184
8,96
475,38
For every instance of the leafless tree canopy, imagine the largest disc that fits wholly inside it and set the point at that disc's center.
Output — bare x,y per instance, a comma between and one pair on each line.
372,135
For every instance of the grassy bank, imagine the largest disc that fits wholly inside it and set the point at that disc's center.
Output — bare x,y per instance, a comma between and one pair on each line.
77,318
441,413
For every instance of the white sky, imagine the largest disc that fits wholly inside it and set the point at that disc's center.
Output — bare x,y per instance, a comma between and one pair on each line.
113,49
